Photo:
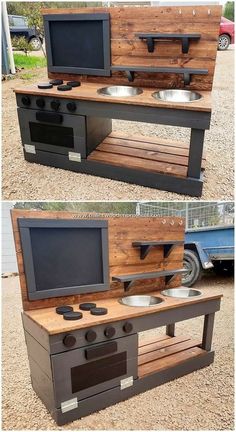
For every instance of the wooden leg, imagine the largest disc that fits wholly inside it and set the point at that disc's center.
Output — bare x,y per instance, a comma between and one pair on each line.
170,330
208,331
195,153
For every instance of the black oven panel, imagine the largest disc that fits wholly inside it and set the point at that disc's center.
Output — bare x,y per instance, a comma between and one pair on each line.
83,372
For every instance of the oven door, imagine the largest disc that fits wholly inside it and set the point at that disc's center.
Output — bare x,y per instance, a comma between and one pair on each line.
53,131
84,372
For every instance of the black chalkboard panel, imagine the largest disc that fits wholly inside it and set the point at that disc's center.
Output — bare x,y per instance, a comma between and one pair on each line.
64,257
78,43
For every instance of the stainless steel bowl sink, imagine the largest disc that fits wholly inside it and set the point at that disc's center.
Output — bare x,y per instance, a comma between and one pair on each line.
140,300
177,95
120,91
181,292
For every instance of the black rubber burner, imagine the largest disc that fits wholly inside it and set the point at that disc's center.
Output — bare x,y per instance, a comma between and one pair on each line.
64,87
98,311
72,316
63,309
45,85
74,83
56,82
87,306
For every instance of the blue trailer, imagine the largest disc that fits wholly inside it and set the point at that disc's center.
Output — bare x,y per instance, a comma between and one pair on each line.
206,248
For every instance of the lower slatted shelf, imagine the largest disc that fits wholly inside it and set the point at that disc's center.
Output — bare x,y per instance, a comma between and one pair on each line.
145,153
165,352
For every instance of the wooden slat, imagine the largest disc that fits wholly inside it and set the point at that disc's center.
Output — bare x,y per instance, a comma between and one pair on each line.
169,361
166,350
144,342
143,155
161,343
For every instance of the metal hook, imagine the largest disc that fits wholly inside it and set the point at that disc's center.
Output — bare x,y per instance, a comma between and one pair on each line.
181,222
172,222
194,12
164,221
180,11
209,12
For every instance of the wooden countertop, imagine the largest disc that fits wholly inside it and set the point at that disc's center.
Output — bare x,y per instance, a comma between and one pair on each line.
53,323
88,91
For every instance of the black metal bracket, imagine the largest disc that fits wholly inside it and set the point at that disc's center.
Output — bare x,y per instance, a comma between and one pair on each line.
129,280
130,75
152,37
187,72
146,246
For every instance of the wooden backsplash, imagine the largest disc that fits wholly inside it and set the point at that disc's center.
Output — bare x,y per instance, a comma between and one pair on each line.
123,257
127,49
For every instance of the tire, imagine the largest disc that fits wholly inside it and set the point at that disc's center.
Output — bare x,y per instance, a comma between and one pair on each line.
223,42
35,44
224,268
193,265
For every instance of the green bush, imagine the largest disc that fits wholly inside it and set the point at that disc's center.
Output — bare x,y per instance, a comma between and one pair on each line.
229,10
21,44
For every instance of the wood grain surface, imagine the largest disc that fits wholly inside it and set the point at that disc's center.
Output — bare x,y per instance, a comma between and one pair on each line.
88,92
53,323
170,158
128,50
123,257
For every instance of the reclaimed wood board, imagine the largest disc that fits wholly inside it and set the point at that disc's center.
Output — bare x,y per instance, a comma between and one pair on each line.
88,92
53,323
166,157
123,257
167,353
128,50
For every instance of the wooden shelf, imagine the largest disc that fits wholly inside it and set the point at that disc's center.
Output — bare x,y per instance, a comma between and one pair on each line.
151,154
129,279
165,352
187,72
146,246
184,37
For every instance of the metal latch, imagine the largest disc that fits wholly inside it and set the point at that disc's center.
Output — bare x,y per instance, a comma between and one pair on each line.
126,382
30,148
69,405
75,157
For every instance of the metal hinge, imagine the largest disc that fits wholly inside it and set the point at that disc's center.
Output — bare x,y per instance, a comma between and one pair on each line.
30,148
69,405
126,382
75,157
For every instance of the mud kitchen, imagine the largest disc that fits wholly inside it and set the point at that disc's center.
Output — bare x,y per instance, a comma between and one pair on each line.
144,64
90,284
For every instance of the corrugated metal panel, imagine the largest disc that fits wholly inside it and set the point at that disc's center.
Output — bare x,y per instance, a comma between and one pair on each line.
9,264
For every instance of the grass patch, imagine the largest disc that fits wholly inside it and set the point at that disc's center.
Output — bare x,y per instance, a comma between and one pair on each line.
29,62
27,76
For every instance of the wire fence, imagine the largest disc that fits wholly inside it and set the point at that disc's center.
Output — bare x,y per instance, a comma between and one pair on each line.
203,215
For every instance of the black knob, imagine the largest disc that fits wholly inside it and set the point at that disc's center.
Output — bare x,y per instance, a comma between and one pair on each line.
69,340
71,106
91,335
109,332
55,105
127,327
40,102
26,100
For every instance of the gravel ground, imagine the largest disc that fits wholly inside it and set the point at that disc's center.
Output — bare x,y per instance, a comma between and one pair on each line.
201,400
26,181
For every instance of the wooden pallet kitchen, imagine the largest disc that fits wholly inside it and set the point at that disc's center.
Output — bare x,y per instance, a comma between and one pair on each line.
82,365
141,51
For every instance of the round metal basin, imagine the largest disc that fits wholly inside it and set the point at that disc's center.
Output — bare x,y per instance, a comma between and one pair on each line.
141,300
120,91
181,292
177,96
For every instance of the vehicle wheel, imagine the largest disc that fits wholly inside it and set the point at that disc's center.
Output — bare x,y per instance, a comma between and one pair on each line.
35,44
223,42
224,268
193,266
